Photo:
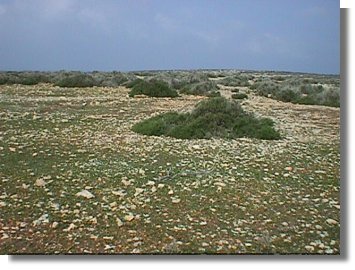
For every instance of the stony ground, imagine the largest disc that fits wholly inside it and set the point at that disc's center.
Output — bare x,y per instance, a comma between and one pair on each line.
75,179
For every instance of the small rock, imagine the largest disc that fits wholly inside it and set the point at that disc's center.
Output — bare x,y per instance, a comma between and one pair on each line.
128,217
119,222
5,236
331,221
40,182
85,193
220,184
113,204
109,247
175,200
41,219
171,192
138,191
125,182
288,169
23,224
284,224
55,224
309,248
71,227
161,185
118,193
24,186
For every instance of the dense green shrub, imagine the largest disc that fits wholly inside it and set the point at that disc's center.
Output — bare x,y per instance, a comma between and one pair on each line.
240,96
214,117
25,78
152,88
76,80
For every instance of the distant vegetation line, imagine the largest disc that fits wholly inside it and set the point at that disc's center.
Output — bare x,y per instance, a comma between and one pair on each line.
299,88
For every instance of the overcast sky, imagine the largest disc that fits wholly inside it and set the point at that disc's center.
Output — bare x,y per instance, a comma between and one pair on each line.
289,35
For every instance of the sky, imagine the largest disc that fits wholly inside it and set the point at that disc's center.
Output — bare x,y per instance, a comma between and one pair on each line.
126,35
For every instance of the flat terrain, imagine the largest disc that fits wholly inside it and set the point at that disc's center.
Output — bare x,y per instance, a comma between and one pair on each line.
75,179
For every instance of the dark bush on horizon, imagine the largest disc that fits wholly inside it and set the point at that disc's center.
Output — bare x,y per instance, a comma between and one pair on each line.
75,80
152,88
24,78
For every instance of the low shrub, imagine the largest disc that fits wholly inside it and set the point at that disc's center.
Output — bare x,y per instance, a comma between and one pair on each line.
237,80
112,79
76,80
204,88
239,96
212,118
152,88
300,91
24,78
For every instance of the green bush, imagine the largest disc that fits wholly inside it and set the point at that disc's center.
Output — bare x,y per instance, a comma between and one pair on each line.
76,80
239,96
24,78
204,88
152,88
300,90
214,117
237,80
112,79
130,84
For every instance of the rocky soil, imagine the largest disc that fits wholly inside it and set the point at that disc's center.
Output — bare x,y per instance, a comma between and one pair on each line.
75,179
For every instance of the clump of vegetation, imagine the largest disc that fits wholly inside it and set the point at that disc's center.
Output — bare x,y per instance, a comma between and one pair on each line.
212,118
235,80
301,90
24,78
152,88
76,80
204,88
112,79
240,96
190,83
